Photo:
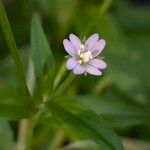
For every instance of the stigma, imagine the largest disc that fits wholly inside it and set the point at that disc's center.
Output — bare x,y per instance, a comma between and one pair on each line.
84,57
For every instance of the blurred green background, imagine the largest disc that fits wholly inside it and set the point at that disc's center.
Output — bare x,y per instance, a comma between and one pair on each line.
122,94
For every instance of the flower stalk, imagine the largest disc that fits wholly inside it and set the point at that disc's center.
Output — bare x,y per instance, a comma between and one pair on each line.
59,76
65,84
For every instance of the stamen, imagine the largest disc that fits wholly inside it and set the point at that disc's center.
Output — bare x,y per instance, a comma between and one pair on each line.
84,57
80,62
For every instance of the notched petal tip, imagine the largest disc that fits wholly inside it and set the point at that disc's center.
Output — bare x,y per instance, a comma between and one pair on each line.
92,40
75,41
98,47
64,41
103,42
69,47
96,34
72,34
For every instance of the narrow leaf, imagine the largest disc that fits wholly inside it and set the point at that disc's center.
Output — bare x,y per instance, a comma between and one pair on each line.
42,57
86,122
119,113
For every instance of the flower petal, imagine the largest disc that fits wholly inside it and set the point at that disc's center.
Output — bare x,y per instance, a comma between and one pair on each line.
79,69
92,70
98,63
69,47
71,63
91,41
98,47
75,41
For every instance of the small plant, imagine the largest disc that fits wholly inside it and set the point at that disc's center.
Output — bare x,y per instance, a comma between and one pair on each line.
45,103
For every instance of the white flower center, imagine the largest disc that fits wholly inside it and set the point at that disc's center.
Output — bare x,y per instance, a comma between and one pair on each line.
84,56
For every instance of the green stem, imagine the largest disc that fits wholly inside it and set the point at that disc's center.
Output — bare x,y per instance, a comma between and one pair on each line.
30,129
59,76
65,84
21,143
101,85
57,140
25,135
103,8
11,43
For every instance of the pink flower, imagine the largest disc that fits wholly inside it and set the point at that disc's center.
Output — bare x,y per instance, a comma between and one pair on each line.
83,56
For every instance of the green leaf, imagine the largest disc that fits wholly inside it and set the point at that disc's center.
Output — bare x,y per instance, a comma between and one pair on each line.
12,45
119,113
42,56
6,136
15,104
7,73
87,123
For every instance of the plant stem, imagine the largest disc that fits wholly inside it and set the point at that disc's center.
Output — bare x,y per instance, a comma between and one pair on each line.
26,127
59,76
21,144
65,84
57,140
101,85
103,8
11,44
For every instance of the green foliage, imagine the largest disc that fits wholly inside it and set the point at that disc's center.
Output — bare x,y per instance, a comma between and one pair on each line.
6,140
42,57
9,106
86,122
117,100
118,113
15,104
11,43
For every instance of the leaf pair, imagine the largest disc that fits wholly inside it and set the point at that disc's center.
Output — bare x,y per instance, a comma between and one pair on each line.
85,122
17,103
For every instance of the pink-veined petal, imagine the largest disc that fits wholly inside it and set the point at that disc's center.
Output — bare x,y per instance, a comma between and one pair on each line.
69,47
98,47
90,42
98,63
71,63
75,41
79,69
92,70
